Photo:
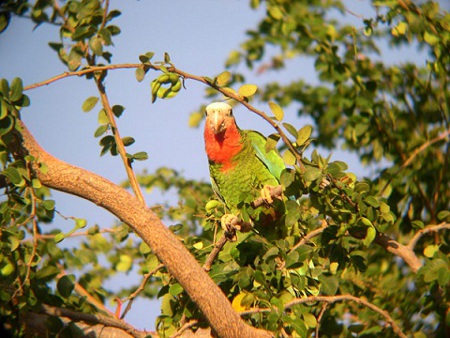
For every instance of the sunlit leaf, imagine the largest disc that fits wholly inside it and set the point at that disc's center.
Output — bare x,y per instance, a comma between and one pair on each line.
303,134
223,78
277,111
89,104
247,90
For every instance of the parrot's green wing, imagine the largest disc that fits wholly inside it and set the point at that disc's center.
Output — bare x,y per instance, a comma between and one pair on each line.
216,189
271,159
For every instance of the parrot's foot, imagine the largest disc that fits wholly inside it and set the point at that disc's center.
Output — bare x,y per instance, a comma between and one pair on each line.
232,223
268,193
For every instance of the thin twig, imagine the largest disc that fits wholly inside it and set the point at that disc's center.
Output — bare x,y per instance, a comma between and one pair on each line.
105,14
141,287
333,299
311,235
215,251
185,326
422,232
224,91
84,293
33,220
119,143
416,152
319,318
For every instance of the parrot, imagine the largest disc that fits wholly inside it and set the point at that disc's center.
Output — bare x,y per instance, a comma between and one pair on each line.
241,169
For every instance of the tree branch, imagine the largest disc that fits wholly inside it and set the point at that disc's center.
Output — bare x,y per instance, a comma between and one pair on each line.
215,251
119,143
309,236
179,262
395,248
93,320
141,287
333,299
224,91
422,232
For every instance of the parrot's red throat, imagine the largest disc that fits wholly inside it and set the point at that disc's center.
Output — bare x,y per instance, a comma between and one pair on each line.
222,147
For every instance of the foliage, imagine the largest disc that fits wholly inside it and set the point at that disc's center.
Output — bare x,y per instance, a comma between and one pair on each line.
360,257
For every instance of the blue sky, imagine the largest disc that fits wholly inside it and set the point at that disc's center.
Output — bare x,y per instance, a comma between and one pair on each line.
198,35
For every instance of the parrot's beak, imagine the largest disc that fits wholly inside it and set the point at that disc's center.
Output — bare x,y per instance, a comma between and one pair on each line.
217,122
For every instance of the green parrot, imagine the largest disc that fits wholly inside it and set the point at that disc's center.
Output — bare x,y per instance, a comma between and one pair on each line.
241,169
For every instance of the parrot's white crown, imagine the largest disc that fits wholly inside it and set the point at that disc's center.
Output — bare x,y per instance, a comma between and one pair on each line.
218,106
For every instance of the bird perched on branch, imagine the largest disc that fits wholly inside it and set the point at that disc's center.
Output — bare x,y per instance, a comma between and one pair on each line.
242,171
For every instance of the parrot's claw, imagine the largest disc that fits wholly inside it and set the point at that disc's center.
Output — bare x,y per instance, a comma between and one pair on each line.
232,223
267,194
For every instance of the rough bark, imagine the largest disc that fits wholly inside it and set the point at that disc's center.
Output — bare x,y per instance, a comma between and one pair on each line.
179,262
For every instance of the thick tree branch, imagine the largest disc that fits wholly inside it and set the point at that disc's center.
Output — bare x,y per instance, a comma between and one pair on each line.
92,325
179,262
394,247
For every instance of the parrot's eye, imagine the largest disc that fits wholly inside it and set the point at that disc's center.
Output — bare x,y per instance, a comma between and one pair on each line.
231,112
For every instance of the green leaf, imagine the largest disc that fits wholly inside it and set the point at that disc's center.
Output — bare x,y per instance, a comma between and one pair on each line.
271,142
166,58
14,176
442,215
431,39
89,104
146,57
277,111
118,110
430,270
303,134
60,236
289,157
47,273
102,117
275,12
74,60
127,141
144,248
4,88
372,201
7,269
140,74
140,156
291,129
247,90
65,285
430,250
223,78
311,173
370,234
125,263
101,130
48,205
16,89
304,252
400,29
175,289
96,45
14,242
195,119
80,223
310,320
36,184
